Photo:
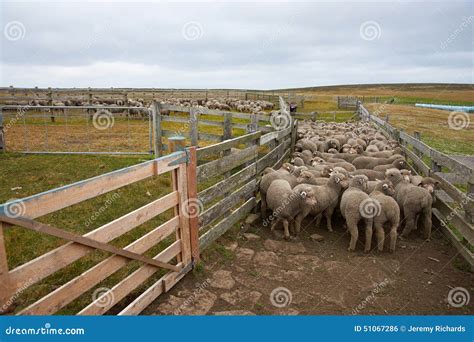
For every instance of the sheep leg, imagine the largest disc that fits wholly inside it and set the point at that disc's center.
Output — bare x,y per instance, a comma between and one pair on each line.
368,236
286,230
352,226
393,238
409,224
380,233
263,206
318,220
427,223
328,215
275,224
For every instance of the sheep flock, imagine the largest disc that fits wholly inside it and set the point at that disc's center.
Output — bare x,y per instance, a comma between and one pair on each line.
351,170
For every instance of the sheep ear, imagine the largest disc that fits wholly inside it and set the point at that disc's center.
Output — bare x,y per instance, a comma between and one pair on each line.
303,194
409,171
385,186
338,179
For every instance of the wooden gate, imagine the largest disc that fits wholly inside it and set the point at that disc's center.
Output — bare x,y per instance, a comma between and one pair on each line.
183,251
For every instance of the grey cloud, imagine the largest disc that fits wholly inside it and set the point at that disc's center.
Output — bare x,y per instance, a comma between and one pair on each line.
244,45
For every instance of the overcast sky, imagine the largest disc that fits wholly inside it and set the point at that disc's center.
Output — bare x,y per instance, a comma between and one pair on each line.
218,44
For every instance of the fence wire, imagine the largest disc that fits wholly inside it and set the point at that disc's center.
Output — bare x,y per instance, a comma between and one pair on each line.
77,129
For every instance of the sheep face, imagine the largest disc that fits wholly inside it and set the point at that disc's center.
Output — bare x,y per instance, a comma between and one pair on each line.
429,184
308,197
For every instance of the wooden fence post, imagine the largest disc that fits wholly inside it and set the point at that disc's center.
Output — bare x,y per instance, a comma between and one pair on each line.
2,133
294,133
176,143
193,126
227,126
469,206
156,117
417,136
253,126
192,198
50,102
5,286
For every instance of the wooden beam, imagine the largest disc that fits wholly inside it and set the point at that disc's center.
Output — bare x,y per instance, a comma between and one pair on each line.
193,198
212,150
130,283
220,208
74,288
54,260
65,196
211,235
82,240
220,166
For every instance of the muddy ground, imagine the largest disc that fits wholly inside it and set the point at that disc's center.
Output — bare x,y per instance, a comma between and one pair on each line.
260,273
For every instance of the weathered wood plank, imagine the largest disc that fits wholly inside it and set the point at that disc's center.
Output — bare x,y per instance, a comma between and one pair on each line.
460,247
452,217
184,213
227,203
65,196
74,288
193,198
169,133
147,297
225,145
219,166
453,164
211,235
82,240
130,283
222,187
420,146
419,164
210,137
273,156
211,123
170,118
48,263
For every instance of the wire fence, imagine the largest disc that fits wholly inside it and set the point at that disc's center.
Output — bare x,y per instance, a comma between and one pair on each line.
77,129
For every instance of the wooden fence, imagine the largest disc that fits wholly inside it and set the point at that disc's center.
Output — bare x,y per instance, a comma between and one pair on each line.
229,172
453,207
13,95
194,123
78,246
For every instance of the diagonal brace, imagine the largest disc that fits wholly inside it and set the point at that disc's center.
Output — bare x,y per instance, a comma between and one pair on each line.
83,240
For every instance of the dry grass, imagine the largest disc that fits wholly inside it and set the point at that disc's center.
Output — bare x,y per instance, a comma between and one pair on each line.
462,94
432,124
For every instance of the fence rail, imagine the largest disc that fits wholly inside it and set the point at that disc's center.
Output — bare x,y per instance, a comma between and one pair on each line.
79,246
449,215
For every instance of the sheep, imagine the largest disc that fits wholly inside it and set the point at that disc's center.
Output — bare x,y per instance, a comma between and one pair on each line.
307,177
351,202
372,148
267,180
371,162
327,197
398,164
383,154
386,211
287,203
306,144
414,201
371,174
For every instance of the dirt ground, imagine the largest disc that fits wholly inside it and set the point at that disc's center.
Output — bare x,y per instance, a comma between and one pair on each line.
259,273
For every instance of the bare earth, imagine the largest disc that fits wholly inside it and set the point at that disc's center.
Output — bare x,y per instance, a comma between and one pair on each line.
319,278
